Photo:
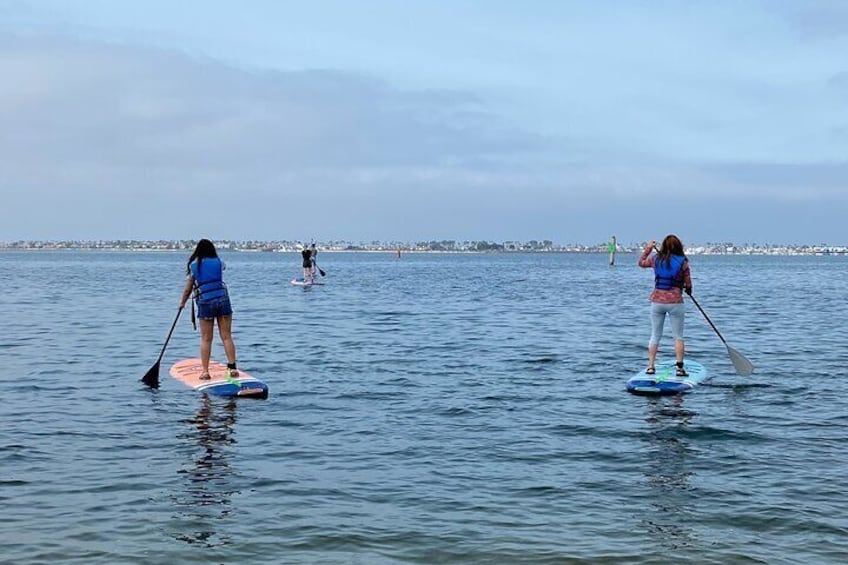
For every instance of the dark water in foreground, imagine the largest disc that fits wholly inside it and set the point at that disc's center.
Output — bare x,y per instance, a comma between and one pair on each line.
432,409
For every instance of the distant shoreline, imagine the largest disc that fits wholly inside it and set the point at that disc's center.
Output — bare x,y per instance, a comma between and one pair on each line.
444,247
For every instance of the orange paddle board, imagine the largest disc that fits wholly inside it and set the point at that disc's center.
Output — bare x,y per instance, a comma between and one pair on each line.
188,372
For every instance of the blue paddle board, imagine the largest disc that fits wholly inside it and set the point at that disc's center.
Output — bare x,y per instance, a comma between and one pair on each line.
666,381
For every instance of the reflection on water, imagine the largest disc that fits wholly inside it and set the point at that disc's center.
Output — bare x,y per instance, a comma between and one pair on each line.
209,477
668,470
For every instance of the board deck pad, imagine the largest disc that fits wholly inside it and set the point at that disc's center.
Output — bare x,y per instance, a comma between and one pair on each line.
301,282
665,381
188,372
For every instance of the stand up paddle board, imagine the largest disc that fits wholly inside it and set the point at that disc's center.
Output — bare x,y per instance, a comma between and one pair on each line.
188,372
665,380
301,282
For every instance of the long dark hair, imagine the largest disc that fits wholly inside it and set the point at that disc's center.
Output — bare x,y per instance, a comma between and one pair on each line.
671,245
205,248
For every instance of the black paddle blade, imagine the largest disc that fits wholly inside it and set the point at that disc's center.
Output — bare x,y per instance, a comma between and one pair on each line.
323,274
151,378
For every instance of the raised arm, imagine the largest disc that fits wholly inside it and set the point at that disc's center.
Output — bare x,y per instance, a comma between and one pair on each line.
646,261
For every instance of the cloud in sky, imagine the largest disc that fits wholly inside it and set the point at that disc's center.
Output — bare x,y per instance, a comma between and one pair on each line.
150,108
816,20
110,121
106,138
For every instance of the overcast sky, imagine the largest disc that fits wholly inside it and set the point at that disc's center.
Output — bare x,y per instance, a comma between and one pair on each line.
410,120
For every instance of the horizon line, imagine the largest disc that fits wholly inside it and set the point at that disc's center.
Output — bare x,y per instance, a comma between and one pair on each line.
529,244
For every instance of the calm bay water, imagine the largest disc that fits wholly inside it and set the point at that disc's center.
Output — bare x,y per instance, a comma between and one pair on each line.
428,409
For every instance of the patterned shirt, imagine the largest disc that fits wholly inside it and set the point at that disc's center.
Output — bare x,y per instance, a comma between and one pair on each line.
673,295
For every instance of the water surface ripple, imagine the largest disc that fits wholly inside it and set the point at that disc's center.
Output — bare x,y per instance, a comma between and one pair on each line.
428,409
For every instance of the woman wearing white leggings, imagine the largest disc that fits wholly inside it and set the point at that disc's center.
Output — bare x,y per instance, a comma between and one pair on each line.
671,279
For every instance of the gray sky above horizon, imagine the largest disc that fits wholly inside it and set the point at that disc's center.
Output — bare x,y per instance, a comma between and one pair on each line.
474,119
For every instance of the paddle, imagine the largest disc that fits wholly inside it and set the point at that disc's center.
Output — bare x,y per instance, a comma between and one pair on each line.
151,377
740,362
320,270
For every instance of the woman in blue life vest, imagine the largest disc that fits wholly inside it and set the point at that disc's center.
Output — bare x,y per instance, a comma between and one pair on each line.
204,278
671,278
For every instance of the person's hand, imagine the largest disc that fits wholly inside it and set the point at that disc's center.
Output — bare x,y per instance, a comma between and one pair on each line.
689,291
652,243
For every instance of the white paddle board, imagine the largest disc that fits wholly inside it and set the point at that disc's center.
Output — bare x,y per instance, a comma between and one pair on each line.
301,282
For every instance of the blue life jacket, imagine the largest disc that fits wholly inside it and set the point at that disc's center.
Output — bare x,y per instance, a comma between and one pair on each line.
669,274
208,283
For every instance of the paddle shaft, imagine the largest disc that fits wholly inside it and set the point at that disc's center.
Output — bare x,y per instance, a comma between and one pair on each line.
151,377
167,339
707,318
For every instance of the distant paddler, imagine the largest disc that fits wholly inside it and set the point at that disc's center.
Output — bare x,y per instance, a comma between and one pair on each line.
611,247
314,251
306,263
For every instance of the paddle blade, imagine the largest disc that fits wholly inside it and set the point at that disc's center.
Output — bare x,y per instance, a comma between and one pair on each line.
323,274
740,362
151,378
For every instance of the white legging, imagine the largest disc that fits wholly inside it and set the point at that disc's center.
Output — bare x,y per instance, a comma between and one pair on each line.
675,313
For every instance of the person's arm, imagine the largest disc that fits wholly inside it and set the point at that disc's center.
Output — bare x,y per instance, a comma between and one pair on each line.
646,261
186,291
687,278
